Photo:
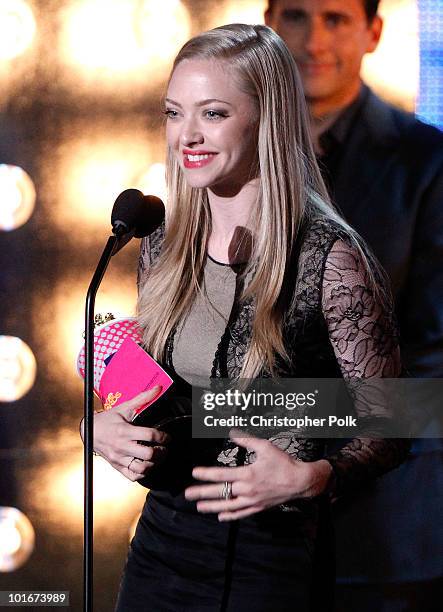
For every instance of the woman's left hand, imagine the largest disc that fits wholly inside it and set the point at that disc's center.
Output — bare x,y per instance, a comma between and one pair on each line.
273,479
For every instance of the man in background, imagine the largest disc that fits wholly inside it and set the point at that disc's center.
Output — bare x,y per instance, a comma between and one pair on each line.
384,170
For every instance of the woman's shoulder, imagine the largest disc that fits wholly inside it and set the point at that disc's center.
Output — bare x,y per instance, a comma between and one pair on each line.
150,249
318,236
334,257
151,245
156,241
320,232
328,250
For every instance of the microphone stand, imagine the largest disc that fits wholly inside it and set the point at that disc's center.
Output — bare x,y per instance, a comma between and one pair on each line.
114,244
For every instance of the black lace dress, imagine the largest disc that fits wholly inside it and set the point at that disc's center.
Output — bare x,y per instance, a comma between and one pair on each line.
335,326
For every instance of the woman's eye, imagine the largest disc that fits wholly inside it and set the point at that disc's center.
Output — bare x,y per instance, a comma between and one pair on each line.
170,114
212,114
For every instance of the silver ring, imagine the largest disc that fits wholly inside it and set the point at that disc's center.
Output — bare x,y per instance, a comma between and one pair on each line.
130,463
227,491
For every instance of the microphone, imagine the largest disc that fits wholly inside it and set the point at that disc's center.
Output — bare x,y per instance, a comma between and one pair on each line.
135,214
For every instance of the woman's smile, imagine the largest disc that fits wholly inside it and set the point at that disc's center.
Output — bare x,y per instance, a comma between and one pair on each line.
197,159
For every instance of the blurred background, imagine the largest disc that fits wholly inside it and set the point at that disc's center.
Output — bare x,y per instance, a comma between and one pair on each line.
81,84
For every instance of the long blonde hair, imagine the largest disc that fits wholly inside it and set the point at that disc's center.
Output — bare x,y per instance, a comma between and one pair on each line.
291,188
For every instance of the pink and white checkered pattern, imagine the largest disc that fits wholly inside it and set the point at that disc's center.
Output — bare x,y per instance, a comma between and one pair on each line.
108,339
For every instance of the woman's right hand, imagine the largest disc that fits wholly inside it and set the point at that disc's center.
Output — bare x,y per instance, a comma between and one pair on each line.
117,440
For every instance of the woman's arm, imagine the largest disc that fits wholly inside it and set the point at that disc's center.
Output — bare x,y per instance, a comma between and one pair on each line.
363,334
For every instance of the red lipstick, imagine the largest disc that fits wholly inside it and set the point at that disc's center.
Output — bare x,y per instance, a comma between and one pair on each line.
197,158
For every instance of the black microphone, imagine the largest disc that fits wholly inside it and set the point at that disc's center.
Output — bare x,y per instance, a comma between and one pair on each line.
135,214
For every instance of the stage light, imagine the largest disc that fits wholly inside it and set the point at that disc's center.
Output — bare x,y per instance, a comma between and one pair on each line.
17,368
240,11
99,34
17,28
56,481
95,169
16,538
393,69
59,335
114,495
161,28
152,182
17,196
129,40
10,538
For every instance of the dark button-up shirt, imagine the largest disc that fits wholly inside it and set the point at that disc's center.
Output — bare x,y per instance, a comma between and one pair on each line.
333,141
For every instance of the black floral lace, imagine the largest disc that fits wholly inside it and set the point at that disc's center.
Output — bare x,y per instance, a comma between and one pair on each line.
335,326
150,249
364,337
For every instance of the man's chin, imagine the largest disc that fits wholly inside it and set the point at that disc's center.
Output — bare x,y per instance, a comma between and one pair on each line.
316,92
317,89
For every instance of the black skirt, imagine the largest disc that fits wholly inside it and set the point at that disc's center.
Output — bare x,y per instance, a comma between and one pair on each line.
180,560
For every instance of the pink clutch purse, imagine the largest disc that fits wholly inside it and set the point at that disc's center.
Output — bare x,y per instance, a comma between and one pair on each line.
122,368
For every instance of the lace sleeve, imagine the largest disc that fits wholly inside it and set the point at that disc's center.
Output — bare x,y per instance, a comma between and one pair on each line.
143,262
363,334
150,249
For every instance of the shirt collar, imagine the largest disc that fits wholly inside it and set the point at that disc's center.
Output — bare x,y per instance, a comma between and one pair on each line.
338,132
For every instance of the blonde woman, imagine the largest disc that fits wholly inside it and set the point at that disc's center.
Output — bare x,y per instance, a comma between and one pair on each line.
254,274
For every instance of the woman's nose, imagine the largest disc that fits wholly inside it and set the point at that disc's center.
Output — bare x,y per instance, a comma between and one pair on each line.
191,135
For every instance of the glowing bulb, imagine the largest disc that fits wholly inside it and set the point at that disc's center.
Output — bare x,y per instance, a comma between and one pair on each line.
240,11
17,538
95,170
113,493
120,36
17,28
152,182
17,197
98,34
17,368
161,29
60,337
10,538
